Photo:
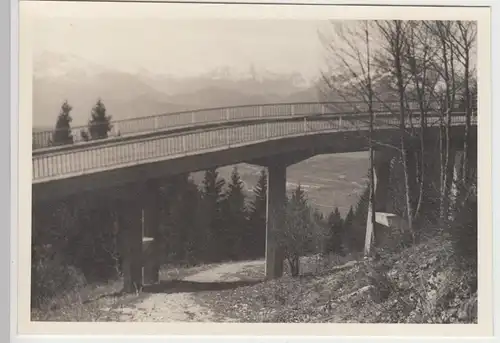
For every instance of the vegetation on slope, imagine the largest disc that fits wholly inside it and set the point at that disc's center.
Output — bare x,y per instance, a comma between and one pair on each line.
417,285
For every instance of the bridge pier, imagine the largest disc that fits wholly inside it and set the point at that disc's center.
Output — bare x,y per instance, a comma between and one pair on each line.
276,196
139,222
381,171
131,238
150,241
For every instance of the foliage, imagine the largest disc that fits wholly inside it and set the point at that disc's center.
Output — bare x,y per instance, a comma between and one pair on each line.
99,123
213,202
178,225
463,229
335,233
62,134
302,234
256,237
236,217
51,277
416,285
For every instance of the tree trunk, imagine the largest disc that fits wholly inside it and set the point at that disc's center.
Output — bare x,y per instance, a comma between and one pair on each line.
397,54
446,140
373,238
293,262
466,158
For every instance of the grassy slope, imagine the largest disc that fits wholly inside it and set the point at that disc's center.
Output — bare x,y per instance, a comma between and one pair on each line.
417,285
87,304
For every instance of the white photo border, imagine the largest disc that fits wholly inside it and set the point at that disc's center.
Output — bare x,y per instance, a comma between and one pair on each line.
9,149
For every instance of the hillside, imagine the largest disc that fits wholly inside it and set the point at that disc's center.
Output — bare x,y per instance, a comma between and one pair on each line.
416,285
330,290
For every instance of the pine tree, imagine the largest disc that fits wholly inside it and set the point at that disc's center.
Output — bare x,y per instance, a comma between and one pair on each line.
352,238
100,123
298,233
361,211
187,200
348,221
335,235
171,216
256,237
236,216
298,197
62,133
213,202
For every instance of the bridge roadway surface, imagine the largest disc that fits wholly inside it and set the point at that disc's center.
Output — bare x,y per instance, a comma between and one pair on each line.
220,115
71,161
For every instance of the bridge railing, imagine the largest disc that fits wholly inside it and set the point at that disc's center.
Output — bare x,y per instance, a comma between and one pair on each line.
66,163
162,122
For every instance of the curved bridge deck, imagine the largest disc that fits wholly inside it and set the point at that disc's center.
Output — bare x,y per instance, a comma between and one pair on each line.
246,125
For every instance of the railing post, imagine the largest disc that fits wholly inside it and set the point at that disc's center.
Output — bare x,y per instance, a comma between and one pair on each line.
267,130
184,143
340,122
227,114
260,112
305,124
322,109
292,109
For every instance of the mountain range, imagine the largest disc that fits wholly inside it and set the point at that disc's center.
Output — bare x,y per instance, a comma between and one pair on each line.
128,94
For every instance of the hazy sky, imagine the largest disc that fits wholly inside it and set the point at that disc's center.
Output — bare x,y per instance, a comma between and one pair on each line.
183,46
179,39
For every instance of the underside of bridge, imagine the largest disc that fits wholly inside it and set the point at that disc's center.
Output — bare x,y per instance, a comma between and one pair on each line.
139,219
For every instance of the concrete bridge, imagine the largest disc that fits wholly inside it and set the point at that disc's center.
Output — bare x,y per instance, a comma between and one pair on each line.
138,152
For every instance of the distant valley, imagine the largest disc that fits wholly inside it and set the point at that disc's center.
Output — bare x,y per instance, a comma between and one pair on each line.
329,181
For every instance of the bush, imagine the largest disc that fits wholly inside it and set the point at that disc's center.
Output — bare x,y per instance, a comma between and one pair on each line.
50,278
463,232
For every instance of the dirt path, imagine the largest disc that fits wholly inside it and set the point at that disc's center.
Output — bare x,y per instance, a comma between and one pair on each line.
174,301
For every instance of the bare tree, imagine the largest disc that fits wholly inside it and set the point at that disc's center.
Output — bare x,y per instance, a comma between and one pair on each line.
395,34
465,41
356,84
457,42
370,236
410,69
418,60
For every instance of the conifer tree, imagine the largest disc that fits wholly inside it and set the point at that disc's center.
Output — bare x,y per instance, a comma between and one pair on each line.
236,217
298,233
187,201
257,217
62,133
213,202
335,235
348,221
99,123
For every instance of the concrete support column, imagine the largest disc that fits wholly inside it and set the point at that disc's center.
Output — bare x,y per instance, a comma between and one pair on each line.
151,223
276,195
381,172
130,213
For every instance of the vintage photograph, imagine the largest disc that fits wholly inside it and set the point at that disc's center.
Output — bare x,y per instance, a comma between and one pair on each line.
232,170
